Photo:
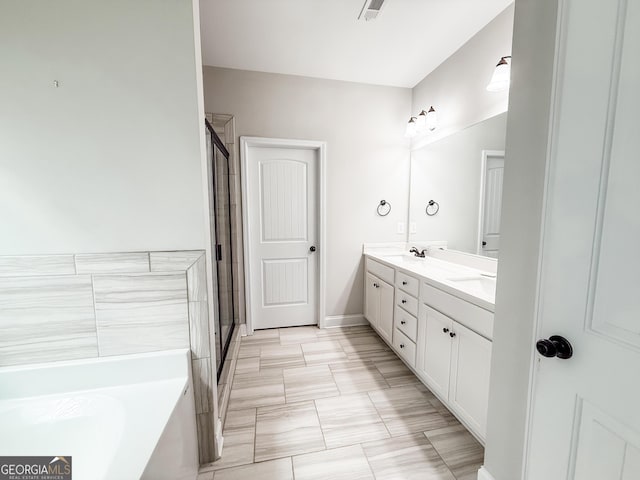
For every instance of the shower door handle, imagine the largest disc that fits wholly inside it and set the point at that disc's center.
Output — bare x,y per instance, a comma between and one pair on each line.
312,249
219,252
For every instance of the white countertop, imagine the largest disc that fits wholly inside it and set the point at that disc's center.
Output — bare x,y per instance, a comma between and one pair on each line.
470,284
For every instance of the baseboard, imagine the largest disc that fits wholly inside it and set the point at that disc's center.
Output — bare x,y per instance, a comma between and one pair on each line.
335,321
483,474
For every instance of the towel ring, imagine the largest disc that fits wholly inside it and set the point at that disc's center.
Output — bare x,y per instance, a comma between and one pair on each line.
432,208
384,208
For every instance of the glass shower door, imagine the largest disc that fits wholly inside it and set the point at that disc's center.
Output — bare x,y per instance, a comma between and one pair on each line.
220,211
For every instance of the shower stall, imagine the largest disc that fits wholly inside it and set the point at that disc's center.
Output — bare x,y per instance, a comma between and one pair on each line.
221,248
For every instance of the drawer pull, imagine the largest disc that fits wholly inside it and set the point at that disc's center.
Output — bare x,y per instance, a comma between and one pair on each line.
376,285
445,330
404,282
402,345
404,301
452,334
402,322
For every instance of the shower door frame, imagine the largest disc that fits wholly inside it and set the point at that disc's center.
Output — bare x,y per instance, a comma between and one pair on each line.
215,248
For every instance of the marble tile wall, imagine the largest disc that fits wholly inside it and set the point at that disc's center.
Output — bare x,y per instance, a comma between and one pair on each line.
63,307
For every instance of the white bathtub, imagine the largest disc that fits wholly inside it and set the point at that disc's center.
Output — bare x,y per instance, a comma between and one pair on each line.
128,417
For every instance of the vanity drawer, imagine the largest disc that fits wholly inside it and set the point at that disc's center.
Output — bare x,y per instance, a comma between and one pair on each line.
470,315
379,270
405,347
408,284
406,301
406,323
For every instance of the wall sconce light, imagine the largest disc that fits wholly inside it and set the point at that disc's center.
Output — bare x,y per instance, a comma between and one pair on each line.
501,77
425,121
412,129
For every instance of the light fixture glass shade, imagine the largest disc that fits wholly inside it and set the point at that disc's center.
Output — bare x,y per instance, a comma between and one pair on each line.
421,121
501,76
411,128
431,119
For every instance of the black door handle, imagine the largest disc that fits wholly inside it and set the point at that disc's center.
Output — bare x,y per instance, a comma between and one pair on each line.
555,346
312,249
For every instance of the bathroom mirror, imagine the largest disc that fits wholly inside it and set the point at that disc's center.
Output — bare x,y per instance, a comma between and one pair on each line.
456,188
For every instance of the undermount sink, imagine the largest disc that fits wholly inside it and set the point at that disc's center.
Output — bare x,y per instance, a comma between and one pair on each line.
404,258
486,285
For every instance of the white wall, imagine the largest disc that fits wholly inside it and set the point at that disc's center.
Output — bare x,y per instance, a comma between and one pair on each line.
457,88
367,156
526,153
110,160
448,171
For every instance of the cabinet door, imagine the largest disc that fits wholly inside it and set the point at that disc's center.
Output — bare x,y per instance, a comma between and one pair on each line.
372,299
385,317
470,368
435,358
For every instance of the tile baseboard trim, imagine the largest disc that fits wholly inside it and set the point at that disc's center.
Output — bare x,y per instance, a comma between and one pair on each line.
483,474
335,321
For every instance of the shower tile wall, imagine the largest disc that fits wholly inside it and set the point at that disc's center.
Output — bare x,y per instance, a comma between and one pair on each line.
224,126
62,307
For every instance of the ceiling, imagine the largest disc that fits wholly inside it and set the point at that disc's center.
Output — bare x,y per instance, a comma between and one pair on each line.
324,38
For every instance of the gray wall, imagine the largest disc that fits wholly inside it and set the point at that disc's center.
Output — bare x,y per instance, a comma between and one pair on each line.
526,153
457,88
109,161
367,156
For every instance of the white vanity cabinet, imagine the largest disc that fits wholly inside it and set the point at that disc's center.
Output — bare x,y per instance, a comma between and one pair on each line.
443,336
455,362
379,298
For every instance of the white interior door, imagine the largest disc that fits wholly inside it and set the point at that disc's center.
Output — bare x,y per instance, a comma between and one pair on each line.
491,203
281,210
585,422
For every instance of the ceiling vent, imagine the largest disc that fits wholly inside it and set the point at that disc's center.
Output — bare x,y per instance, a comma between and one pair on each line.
371,9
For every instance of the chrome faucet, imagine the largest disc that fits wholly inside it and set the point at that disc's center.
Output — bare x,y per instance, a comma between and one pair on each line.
419,253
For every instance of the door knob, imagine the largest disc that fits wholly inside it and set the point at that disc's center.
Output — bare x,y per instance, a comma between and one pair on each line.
555,346
312,248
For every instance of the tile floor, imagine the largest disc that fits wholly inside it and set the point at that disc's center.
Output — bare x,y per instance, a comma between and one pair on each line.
336,404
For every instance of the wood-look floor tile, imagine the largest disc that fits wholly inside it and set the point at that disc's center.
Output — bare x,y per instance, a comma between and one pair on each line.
263,336
396,373
406,410
309,383
349,419
248,365
444,411
283,356
298,335
287,430
248,350
362,343
352,377
347,463
280,469
251,390
457,447
323,352
239,435
408,457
